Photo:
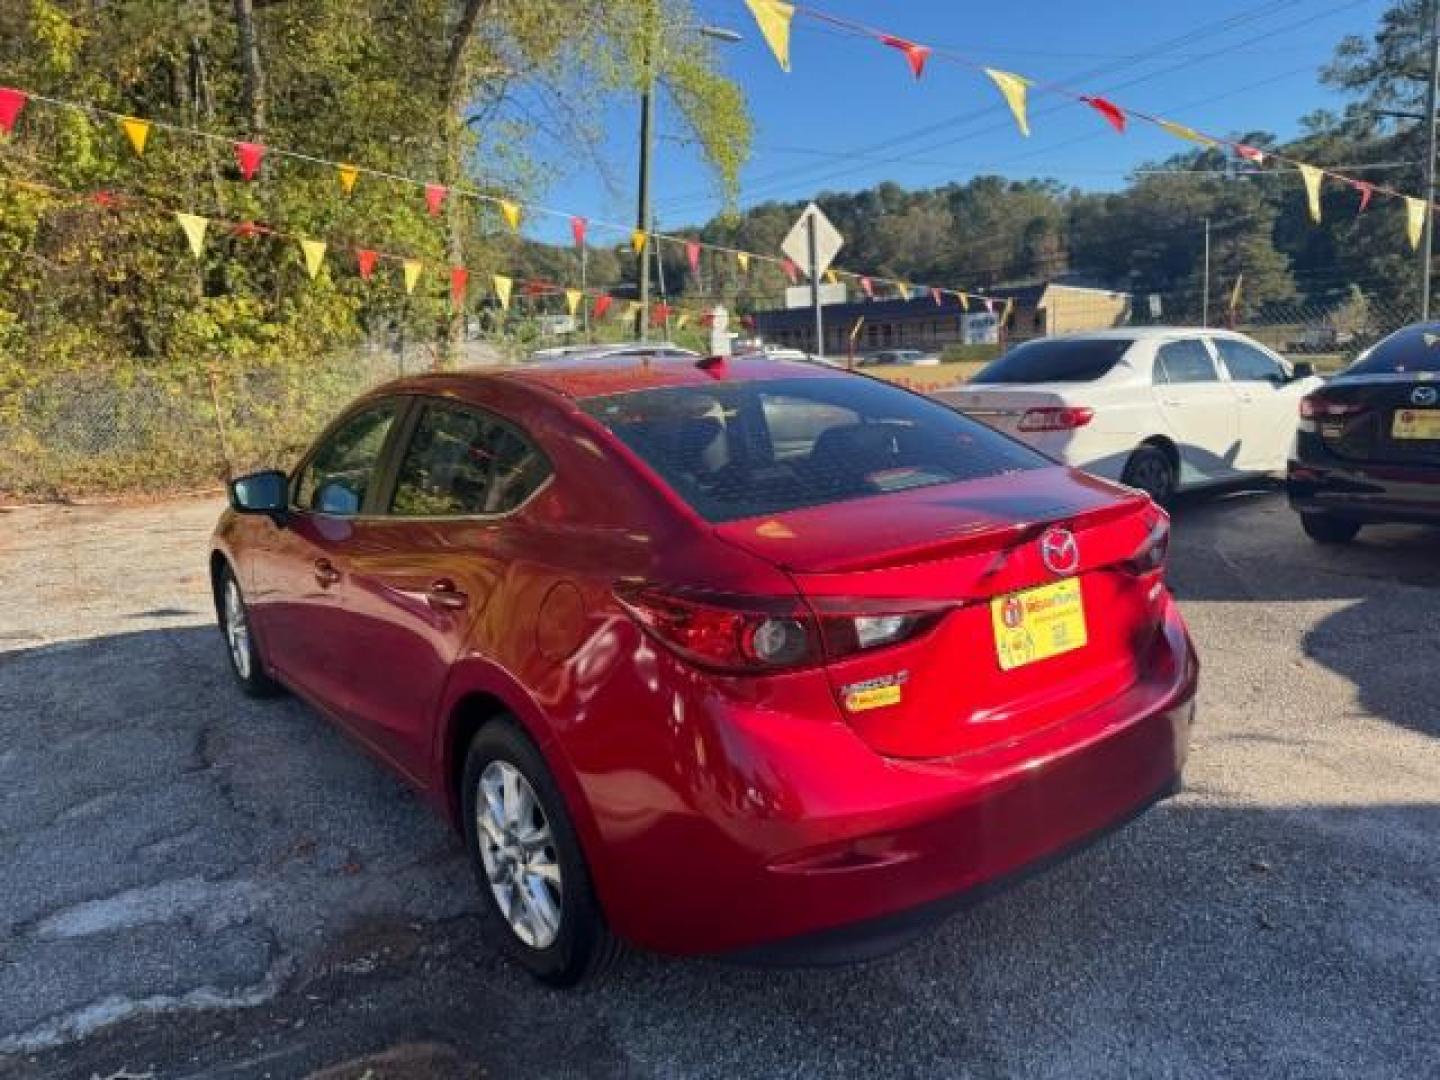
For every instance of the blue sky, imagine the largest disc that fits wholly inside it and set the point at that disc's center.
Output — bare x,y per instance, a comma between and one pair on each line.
850,115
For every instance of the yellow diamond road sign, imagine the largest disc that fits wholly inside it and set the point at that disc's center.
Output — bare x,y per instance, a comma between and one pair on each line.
827,242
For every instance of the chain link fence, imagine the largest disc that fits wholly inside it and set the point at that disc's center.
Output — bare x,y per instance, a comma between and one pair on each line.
130,430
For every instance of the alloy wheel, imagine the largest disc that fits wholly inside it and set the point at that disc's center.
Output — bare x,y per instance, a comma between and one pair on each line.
237,629
518,852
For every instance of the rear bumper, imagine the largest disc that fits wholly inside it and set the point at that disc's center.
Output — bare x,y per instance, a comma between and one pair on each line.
1320,483
843,854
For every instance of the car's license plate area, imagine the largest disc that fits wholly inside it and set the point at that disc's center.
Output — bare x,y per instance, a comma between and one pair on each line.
1416,424
1038,623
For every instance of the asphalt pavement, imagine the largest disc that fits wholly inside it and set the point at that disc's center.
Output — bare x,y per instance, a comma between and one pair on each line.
193,884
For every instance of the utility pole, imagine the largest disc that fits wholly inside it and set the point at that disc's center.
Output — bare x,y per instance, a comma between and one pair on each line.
815,287
1427,245
651,31
1205,288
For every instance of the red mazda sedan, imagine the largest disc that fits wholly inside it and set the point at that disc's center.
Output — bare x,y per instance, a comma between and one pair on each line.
746,657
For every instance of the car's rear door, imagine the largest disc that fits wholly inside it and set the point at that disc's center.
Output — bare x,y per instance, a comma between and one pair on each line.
1199,409
429,563
299,570
1267,404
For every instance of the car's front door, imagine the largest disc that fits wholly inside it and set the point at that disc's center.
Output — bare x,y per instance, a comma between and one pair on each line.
1198,408
300,572
425,567
1268,404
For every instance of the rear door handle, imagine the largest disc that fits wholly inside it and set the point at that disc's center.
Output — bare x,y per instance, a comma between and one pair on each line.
325,573
444,596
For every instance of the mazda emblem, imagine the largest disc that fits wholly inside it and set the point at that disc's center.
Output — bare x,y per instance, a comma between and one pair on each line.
1424,395
1059,551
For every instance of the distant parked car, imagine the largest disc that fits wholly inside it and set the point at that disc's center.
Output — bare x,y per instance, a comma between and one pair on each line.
1163,410
1368,448
903,357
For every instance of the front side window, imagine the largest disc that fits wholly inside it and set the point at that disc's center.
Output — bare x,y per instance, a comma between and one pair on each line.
464,462
336,477
743,449
1184,362
1246,363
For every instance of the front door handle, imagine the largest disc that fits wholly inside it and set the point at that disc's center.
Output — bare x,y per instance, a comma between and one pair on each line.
325,573
444,596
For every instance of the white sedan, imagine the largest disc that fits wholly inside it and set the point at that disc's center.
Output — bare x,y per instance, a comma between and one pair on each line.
1163,410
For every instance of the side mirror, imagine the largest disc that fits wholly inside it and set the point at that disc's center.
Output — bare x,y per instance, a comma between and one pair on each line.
1302,369
261,493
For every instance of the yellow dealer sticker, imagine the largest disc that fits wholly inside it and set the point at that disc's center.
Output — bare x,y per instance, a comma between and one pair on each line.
874,693
1038,623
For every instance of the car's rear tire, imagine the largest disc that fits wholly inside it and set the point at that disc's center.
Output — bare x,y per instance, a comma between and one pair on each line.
1152,471
536,895
240,645
1329,529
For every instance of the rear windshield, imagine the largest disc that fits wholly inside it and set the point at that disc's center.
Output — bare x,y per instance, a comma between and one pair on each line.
1055,360
1414,349
743,449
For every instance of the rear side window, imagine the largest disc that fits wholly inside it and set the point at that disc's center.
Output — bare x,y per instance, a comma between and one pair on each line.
337,475
464,462
1405,352
1184,362
1246,363
1063,360
744,449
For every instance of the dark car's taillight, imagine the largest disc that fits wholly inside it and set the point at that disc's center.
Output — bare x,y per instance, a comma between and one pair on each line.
1315,408
756,635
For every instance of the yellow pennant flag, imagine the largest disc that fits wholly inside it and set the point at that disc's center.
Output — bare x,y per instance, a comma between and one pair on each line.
743,258
1014,88
1235,293
1009,307
572,300
194,226
773,17
832,277
1311,175
903,287
964,301
511,210
412,268
314,256
348,175
632,309
682,320
503,285
1180,131
637,240
137,131
1415,220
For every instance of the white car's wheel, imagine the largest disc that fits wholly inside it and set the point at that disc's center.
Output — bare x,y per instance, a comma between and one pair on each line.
1151,470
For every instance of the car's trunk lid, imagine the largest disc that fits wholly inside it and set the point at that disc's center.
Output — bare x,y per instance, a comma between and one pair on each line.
974,550
1383,419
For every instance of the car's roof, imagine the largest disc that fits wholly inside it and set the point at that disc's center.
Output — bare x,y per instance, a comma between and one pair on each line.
1144,333
592,376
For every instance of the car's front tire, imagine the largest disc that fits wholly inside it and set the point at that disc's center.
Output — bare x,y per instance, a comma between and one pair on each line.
1329,529
1151,470
537,898
240,645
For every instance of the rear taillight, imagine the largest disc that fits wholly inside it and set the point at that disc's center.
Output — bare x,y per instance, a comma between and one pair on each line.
1058,418
1149,557
1317,407
755,635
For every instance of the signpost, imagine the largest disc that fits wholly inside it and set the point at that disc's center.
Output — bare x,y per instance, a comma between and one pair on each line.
812,244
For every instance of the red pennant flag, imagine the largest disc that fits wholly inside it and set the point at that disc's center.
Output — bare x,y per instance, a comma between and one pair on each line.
868,286
11,102
1109,110
935,295
791,270
1249,153
248,156
915,55
104,199
707,319
459,277
1366,190
536,287
246,230
692,253
602,305
577,230
365,258
659,314
435,197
